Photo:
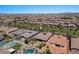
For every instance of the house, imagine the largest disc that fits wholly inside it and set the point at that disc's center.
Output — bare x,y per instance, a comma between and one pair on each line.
58,44
24,34
42,36
75,45
7,29
18,32
28,34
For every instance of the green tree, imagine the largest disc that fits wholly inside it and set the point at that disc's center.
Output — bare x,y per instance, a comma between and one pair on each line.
6,37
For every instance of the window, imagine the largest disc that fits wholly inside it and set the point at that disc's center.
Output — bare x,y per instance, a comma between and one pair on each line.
57,45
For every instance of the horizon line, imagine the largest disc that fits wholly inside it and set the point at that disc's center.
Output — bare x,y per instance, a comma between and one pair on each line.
42,13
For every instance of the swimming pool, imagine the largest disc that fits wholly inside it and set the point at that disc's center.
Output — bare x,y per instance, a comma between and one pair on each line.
3,43
11,44
28,51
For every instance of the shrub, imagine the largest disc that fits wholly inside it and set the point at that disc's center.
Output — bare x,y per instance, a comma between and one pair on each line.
41,45
17,46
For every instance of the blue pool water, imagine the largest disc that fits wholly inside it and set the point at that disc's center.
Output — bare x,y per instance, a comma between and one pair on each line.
11,44
3,43
29,51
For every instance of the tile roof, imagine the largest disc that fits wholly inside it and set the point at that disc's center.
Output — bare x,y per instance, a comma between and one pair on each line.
29,33
43,36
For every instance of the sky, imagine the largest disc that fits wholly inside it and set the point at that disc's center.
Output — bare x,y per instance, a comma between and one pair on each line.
29,9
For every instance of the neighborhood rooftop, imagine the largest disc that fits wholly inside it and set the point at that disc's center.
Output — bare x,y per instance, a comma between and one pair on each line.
7,29
58,44
43,36
75,43
29,33
25,33
59,39
20,31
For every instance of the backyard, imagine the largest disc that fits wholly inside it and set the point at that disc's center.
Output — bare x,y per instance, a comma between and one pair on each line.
17,46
